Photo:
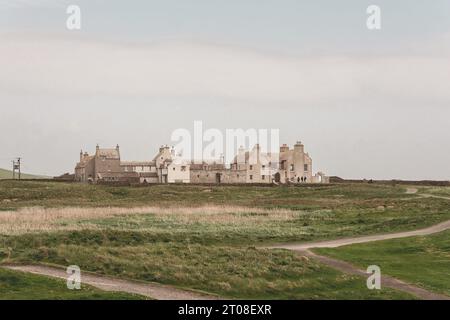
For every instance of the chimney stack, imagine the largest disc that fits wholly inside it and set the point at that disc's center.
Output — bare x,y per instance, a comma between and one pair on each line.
284,148
299,147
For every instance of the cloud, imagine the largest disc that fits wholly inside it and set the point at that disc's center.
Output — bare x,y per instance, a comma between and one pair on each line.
72,91
72,66
31,3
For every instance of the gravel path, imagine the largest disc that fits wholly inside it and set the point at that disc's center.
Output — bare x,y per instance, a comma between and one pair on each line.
151,290
347,241
387,281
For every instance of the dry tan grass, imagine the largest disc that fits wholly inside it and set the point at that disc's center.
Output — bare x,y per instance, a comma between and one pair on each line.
37,219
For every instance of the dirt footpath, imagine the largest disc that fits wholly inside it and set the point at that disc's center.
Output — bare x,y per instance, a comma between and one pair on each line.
303,249
347,241
386,281
151,290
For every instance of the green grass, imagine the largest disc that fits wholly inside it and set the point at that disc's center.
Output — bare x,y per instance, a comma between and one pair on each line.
16,285
424,261
304,225
324,212
230,271
437,191
216,252
52,194
8,174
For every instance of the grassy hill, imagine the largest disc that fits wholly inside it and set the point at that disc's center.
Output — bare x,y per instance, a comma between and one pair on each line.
7,174
212,238
207,238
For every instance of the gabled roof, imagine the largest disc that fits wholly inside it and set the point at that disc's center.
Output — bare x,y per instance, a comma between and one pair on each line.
84,161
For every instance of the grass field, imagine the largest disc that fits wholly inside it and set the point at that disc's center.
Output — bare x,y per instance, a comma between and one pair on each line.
206,237
424,261
437,191
8,174
15,285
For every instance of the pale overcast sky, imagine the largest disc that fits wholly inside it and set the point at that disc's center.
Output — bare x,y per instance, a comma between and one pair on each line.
367,104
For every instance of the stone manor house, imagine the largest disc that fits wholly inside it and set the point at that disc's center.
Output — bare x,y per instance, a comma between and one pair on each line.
254,166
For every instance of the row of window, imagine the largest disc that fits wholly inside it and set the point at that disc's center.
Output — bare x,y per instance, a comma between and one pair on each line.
134,168
305,166
183,168
263,177
291,167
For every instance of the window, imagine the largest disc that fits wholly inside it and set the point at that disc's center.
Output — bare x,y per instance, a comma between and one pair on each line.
306,167
173,168
263,177
263,166
292,167
251,177
251,167
183,168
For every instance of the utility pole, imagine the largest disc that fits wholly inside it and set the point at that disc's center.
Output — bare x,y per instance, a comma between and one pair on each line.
18,163
16,167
